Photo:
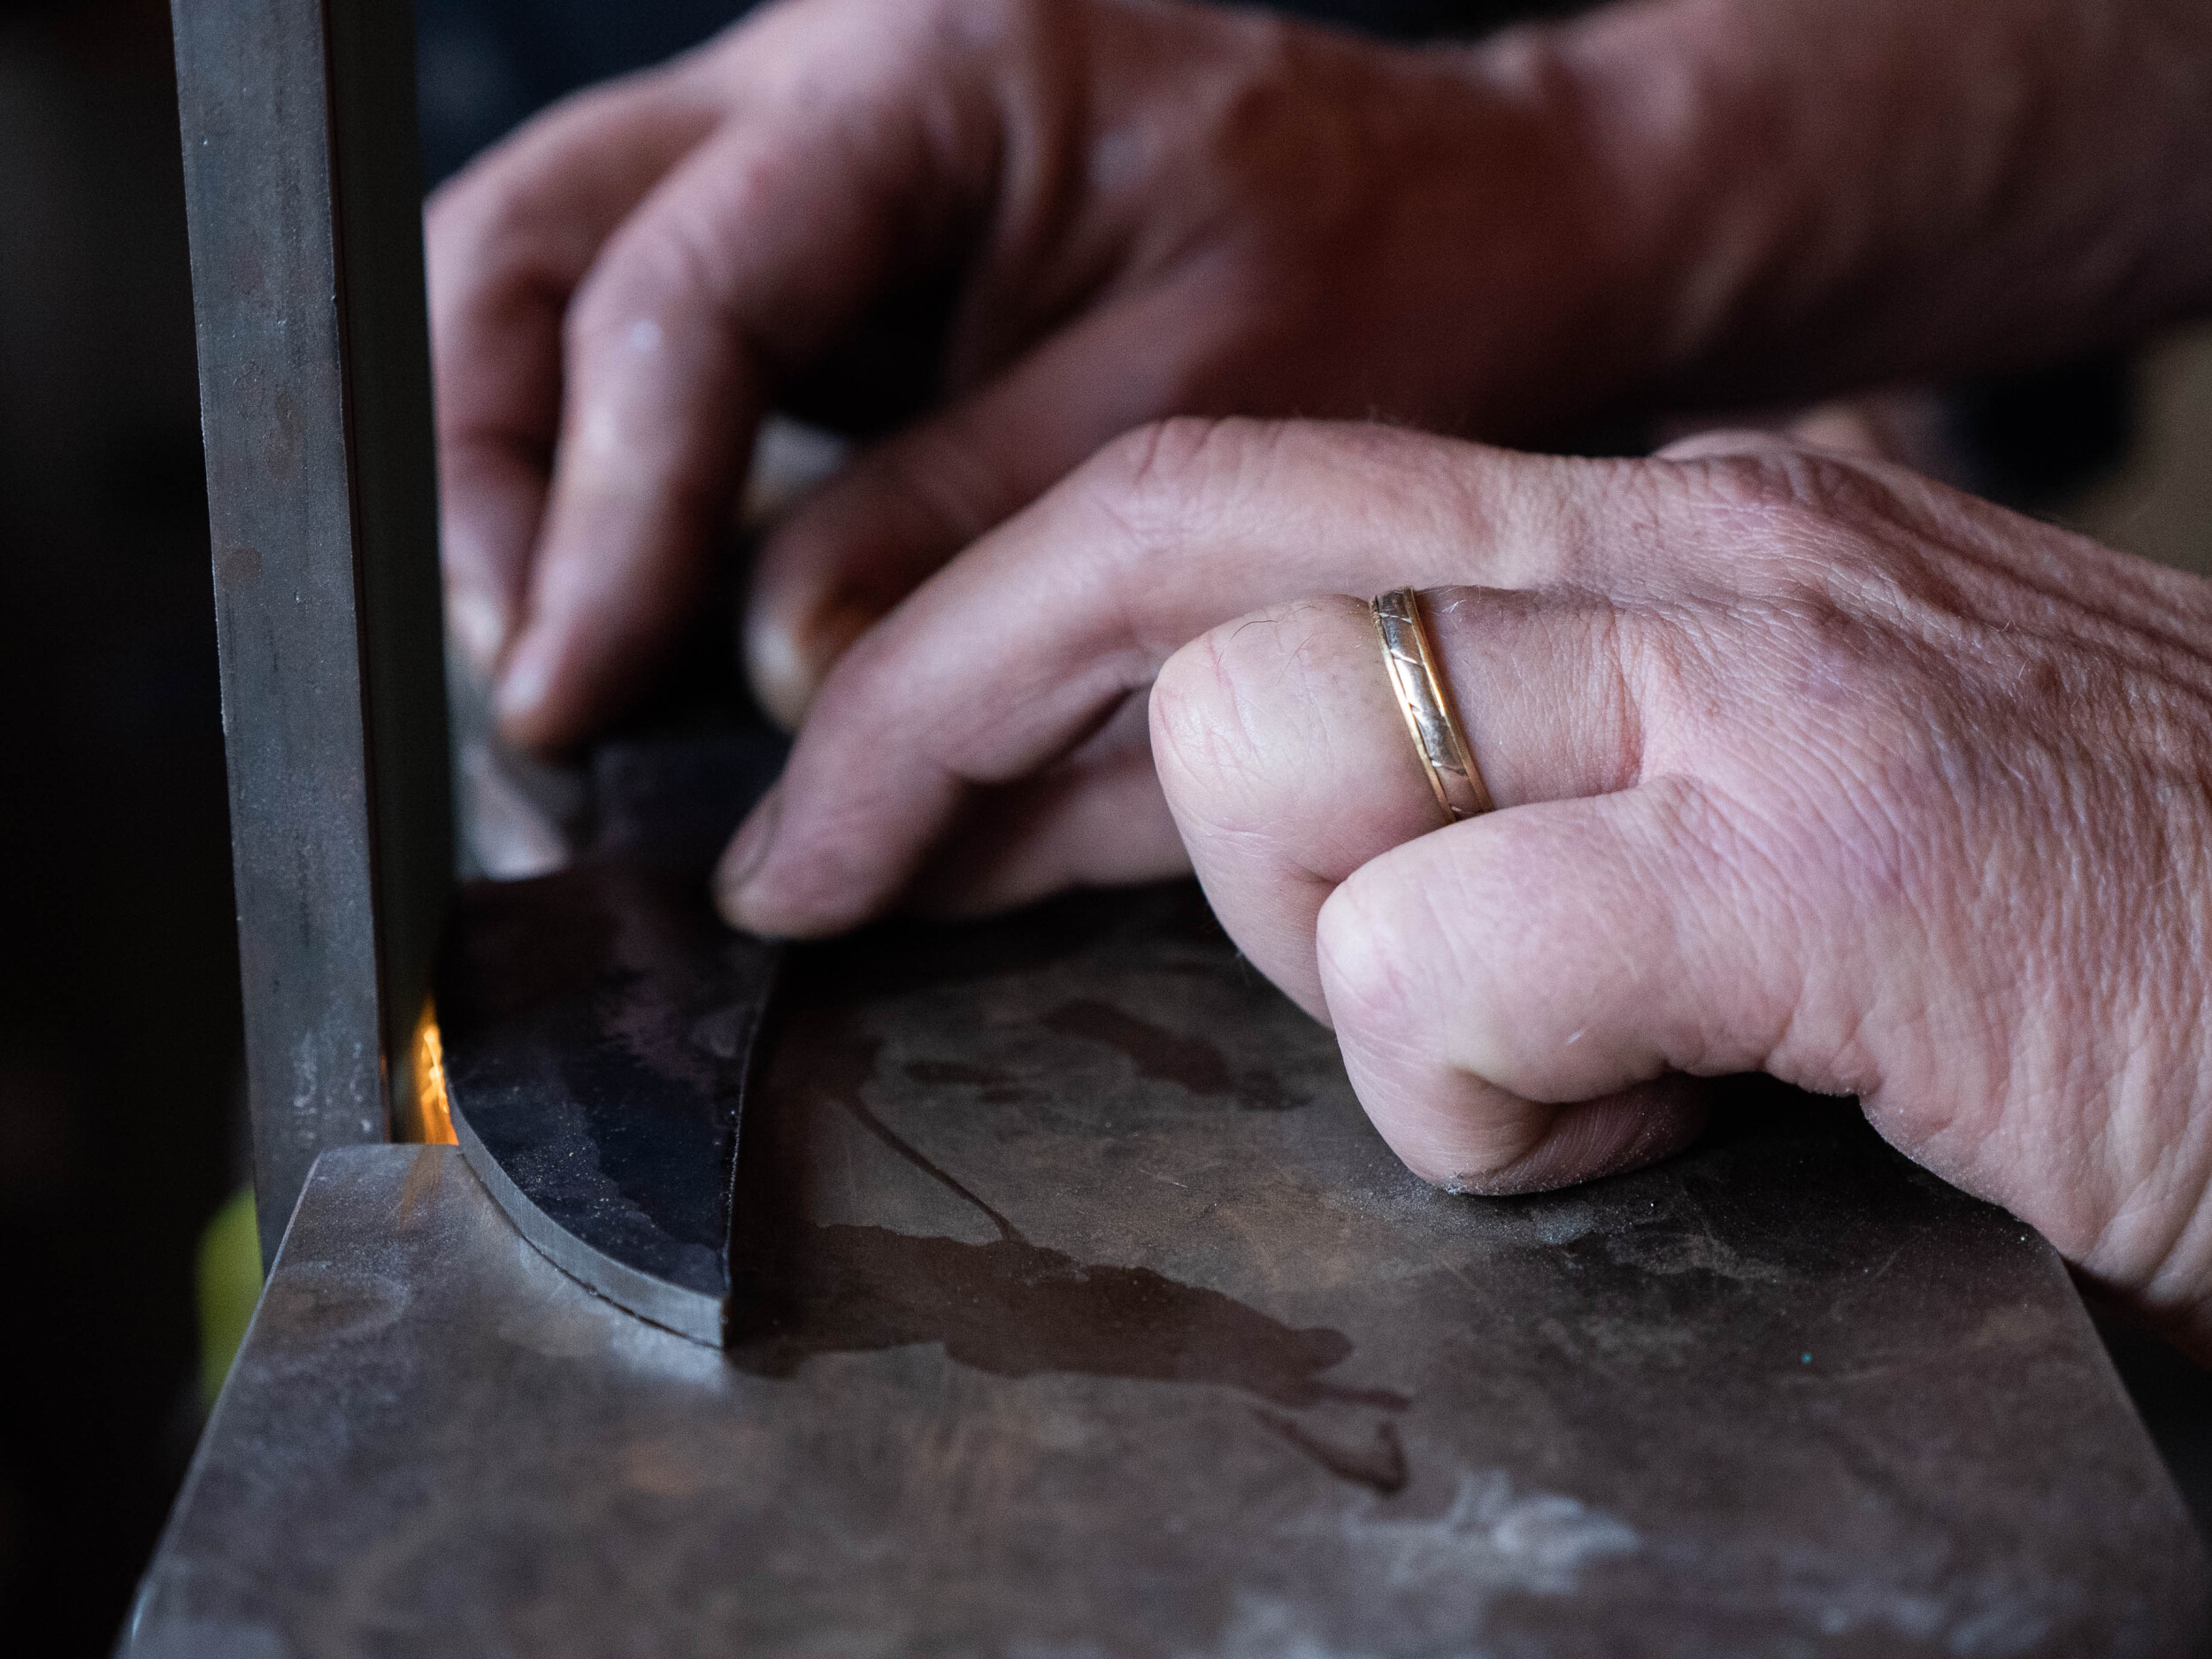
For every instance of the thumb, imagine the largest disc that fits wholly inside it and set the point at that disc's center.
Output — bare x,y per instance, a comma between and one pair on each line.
1523,999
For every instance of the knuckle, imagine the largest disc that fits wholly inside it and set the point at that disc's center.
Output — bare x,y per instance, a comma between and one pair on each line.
1201,724
486,206
1161,484
1237,715
1363,951
1746,482
1164,458
650,271
1772,486
967,25
1795,530
909,36
509,196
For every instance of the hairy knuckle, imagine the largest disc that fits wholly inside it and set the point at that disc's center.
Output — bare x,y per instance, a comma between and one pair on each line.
1163,483
1150,490
1162,460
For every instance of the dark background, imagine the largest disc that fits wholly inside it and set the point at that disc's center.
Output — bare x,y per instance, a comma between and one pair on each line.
120,1108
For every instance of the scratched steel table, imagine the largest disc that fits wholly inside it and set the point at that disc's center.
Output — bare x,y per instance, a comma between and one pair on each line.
1081,1312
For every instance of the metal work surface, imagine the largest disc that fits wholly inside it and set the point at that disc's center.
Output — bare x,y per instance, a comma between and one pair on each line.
1085,1315
599,1026
304,203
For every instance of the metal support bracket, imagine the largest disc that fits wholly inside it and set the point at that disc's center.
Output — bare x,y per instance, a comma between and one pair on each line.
303,192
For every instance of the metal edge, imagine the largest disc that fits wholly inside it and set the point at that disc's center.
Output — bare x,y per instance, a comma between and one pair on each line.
688,1313
204,1453
770,981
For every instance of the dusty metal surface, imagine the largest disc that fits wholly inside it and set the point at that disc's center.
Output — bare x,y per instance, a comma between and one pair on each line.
1084,1314
304,202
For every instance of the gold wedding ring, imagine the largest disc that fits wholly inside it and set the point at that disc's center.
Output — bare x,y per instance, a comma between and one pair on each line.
1411,659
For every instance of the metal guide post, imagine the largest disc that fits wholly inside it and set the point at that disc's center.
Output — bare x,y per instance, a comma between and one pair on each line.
303,186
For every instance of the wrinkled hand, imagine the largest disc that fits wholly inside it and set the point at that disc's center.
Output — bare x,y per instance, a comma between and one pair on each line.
1023,227
1088,214
1804,765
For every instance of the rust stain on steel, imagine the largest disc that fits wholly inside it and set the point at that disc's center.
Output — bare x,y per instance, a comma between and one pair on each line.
948,1054
1158,1053
1008,1306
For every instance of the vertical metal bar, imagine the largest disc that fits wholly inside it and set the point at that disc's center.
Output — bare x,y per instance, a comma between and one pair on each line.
303,185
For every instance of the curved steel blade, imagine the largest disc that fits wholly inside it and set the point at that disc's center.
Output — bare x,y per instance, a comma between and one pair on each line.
599,1026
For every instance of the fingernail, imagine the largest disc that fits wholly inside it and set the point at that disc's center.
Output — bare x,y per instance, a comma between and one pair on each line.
479,623
788,663
782,679
523,688
741,860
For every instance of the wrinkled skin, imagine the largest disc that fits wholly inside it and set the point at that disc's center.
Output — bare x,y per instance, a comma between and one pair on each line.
1013,229
1805,766
1112,211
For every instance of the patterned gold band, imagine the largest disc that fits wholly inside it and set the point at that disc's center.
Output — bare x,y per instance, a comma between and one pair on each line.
1451,770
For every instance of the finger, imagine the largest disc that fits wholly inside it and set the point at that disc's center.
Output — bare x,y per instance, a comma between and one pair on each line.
871,535
1014,654
740,268
1287,762
506,244
1491,982
1094,819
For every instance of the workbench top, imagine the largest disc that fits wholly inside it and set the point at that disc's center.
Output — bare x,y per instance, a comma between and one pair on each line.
1086,1315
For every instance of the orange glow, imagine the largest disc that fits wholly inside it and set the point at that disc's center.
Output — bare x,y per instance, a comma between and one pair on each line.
429,1118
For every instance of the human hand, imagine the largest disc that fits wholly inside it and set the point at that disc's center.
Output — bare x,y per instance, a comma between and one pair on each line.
1804,765
1096,213
1100,212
